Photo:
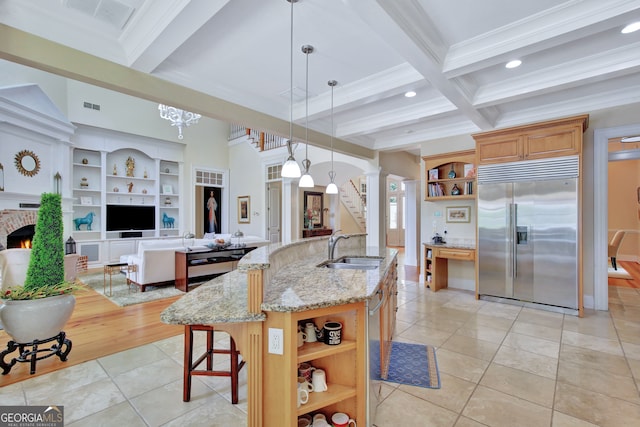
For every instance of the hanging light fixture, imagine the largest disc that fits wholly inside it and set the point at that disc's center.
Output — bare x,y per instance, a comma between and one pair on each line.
291,169
332,188
306,181
177,117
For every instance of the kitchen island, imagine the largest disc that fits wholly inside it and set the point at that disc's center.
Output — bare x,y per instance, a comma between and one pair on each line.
277,287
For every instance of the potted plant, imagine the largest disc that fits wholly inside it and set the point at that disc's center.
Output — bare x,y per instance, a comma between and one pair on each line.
40,309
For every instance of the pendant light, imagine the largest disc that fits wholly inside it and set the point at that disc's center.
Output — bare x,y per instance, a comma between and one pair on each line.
332,188
306,181
290,169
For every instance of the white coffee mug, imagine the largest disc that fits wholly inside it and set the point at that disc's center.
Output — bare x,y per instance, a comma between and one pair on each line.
304,384
319,381
303,396
310,330
317,418
302,337
340,419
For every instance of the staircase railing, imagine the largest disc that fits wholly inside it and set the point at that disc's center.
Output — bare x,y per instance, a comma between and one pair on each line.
355,203
263,141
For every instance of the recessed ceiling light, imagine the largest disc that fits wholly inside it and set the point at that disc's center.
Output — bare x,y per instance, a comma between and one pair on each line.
631,28
410,94
513,64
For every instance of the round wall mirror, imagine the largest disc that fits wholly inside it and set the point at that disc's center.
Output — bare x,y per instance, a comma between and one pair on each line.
27,163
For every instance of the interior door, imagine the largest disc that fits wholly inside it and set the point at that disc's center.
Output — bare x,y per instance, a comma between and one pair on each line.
395,213
274,196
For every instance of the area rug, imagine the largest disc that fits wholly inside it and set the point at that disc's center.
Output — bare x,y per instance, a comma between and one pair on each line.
411,364
620,273
124,295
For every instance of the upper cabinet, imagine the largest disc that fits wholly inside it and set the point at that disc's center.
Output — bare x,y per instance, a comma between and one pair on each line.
555,138
450,176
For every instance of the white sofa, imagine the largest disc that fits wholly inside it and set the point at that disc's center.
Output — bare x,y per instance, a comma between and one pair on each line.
155,259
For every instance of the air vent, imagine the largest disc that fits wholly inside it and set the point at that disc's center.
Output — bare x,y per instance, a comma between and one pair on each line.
91,106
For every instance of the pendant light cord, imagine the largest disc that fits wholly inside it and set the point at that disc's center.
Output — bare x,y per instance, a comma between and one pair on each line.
306,122
291,80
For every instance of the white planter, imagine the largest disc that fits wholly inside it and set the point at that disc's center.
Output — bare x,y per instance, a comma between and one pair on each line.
29,320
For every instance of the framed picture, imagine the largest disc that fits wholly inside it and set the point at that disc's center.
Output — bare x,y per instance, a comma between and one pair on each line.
211,202
167,189
458,214
86,200
244,209
433,174
313,204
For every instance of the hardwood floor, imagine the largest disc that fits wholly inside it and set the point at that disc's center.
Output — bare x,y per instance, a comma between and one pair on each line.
98,328
633,268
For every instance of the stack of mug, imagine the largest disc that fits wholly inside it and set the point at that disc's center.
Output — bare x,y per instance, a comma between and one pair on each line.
338,419
330,334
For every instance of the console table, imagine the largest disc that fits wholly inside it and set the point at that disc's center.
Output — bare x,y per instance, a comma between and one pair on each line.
209,262
315,232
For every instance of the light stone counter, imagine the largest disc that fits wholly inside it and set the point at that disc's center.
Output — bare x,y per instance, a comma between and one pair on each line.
301,285
220,300
293,283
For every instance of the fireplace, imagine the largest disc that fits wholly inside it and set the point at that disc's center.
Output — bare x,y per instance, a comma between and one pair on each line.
14,221
22,237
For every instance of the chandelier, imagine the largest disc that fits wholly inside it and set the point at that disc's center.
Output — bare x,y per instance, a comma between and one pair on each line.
177,117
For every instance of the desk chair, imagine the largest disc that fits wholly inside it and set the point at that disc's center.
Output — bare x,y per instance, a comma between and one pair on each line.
614,245
190,366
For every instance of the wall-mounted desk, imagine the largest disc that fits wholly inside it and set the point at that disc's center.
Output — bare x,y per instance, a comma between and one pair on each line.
436,262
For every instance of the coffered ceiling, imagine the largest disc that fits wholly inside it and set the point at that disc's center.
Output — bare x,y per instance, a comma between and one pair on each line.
451,53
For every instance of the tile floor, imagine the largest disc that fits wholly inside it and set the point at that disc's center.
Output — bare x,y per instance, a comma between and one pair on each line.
500,365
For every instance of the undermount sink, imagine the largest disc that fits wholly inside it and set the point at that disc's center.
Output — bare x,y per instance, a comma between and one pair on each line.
353,263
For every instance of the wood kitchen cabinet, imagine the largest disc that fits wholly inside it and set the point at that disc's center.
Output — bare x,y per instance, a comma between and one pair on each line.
344,365
555,138
388,317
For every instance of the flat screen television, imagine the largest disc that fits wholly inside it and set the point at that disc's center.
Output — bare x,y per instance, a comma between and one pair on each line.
130,217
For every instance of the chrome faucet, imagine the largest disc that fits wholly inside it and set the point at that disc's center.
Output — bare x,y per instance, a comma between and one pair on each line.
333,240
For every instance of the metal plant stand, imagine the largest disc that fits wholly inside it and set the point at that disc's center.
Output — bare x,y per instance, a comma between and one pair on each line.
28,352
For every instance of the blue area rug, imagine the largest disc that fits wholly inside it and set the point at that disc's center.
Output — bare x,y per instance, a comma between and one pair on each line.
411,364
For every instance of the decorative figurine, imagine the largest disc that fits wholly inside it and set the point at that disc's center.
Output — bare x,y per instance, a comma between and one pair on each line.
88,220
167,221
85,161
84,183
115,169
131,165
144,191
130,187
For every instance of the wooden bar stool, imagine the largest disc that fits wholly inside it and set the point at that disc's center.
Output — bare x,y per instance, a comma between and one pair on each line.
190,368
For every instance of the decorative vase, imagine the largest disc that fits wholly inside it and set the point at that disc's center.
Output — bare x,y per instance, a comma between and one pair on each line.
452,173
85,161
455,191
84,183
38,319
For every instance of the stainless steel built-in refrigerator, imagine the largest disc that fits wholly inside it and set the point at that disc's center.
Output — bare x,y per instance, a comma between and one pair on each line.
528,232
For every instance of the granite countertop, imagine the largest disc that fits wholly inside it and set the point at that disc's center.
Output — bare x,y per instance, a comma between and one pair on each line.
453,245
220,300
297,286
301,285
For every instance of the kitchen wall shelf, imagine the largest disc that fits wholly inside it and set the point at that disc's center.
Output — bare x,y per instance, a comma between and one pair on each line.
438,183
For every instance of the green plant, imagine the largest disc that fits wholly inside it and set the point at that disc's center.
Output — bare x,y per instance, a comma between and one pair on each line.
45,274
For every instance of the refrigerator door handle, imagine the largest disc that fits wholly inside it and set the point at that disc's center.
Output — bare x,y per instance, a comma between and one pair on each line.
513,238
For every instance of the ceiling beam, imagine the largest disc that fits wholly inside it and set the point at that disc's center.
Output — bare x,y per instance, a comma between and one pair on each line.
27,49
